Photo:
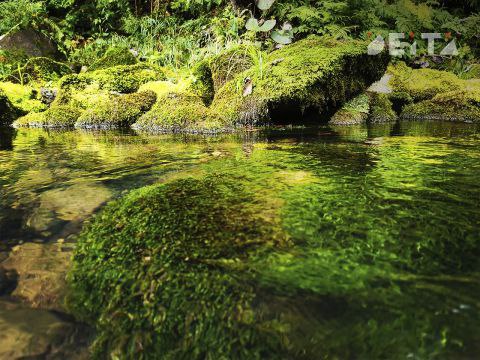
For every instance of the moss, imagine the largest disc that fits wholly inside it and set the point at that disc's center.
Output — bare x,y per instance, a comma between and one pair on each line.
353,112
462,106
118,111
42,70
8,113
381,109
113,57
158,273
23,98
62,116
202,84
422,84
311,73
399,100
122,79
177,110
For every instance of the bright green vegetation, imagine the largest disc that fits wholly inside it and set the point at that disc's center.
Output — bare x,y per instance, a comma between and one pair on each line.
118,111
7,111
353,112
42,70
61,116
434,95
381,109
356,244
114,57
24,98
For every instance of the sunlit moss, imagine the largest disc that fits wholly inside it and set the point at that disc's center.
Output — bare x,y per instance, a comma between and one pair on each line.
353,112
381,109
118,111
113,57
61,116
24,98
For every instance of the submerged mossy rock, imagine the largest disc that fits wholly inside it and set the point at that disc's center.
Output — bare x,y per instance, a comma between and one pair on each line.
114,57
177,110
461,106
353,112
42,70
119,111
61,116
310,77
161,272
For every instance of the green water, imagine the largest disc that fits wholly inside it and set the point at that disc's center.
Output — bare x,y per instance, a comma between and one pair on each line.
383,223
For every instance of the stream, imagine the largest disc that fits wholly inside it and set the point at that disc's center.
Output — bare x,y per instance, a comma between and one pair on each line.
387,215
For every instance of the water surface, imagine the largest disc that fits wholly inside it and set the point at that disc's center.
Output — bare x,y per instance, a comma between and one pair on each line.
385,221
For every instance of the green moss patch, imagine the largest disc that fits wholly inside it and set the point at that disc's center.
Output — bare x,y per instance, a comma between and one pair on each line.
62,116
162,272
23,98
381,109
177,110
42,70
114,57
118,111
353,112
463,106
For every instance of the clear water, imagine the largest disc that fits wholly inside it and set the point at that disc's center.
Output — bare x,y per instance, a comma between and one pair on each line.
385,221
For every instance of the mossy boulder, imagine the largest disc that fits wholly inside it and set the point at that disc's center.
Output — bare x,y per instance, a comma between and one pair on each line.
461,106
311,76
381,109
353,112
202,84
422,84
162,272
119,111
42,70
114,56
61,116
177,110
23,98
31,43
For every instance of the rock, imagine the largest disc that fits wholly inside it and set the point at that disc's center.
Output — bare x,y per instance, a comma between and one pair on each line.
41,270
48,95
30,42
61,116
314,76
353,112
120,111
37,334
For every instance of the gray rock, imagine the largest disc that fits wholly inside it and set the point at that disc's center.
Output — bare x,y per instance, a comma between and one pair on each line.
33,44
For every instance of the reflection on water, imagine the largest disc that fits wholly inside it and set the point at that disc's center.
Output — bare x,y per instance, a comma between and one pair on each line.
386,220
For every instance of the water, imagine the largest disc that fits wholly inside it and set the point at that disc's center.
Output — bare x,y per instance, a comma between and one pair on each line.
385,220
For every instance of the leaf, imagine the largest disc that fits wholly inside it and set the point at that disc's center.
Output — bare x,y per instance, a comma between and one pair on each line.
265,4
281,38
268,25
252,25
